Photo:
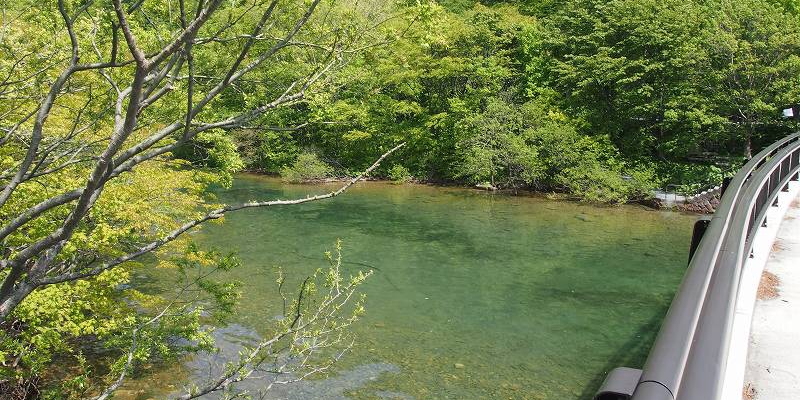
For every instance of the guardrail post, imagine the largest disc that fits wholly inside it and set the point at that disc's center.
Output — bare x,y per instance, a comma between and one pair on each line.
699,230
725,183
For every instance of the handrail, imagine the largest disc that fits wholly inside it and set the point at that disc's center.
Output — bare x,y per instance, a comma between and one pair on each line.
706,366
689,356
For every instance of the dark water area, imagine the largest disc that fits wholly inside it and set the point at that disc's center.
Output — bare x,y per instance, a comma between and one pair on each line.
474,295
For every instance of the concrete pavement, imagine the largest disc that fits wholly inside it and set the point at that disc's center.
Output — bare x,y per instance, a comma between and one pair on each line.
773,358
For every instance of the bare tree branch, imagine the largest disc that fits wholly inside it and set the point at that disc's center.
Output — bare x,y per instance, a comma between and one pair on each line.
215,214
136,81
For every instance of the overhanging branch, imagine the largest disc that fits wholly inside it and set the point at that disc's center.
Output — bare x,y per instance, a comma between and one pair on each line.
214,214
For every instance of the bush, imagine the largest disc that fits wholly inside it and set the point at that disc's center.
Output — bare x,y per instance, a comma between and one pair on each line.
214,150
594,182
399,174
642,182
267,150
587,167
494,150
306,168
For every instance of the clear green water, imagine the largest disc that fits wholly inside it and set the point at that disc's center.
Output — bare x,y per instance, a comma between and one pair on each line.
537,299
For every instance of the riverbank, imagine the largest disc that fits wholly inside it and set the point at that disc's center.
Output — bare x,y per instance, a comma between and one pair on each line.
652,202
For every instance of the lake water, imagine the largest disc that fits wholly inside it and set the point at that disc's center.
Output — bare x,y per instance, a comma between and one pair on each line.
475,295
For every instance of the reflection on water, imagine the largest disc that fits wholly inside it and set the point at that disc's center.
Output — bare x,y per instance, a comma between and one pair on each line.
232,339
474,295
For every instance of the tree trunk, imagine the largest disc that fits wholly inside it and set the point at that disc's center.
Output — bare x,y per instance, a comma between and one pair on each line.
748,145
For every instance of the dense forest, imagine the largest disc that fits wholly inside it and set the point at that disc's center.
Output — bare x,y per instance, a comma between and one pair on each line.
116,117
605,100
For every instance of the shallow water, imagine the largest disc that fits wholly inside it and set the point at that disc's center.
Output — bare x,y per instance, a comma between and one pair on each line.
533,298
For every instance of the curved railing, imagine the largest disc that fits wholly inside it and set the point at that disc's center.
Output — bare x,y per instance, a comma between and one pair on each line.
689,356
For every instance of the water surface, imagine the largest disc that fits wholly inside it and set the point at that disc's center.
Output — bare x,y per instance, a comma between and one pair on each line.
474,295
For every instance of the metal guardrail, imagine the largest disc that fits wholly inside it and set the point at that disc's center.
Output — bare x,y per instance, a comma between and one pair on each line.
689,356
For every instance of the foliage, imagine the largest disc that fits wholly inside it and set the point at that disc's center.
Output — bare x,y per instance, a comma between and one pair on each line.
399,174
601,99
493,148
64,321
588,167
650,83
106,155
533,145
214,150
630,70
754,50
266,150
307,168
53,316
692,178
668,79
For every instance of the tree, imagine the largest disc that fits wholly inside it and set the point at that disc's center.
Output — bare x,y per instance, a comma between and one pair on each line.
493,148
95,105
755,53
631,70
668,79
434,72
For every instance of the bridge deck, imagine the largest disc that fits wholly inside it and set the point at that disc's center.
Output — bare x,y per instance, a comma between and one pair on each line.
773,359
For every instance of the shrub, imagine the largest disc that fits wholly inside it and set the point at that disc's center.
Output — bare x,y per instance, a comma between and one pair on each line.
214,150
587,167
306,168
597,183
399,174
266,150
494,150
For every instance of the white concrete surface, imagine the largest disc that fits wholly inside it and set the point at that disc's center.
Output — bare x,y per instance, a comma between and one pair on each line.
773,357
734,377
669,199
